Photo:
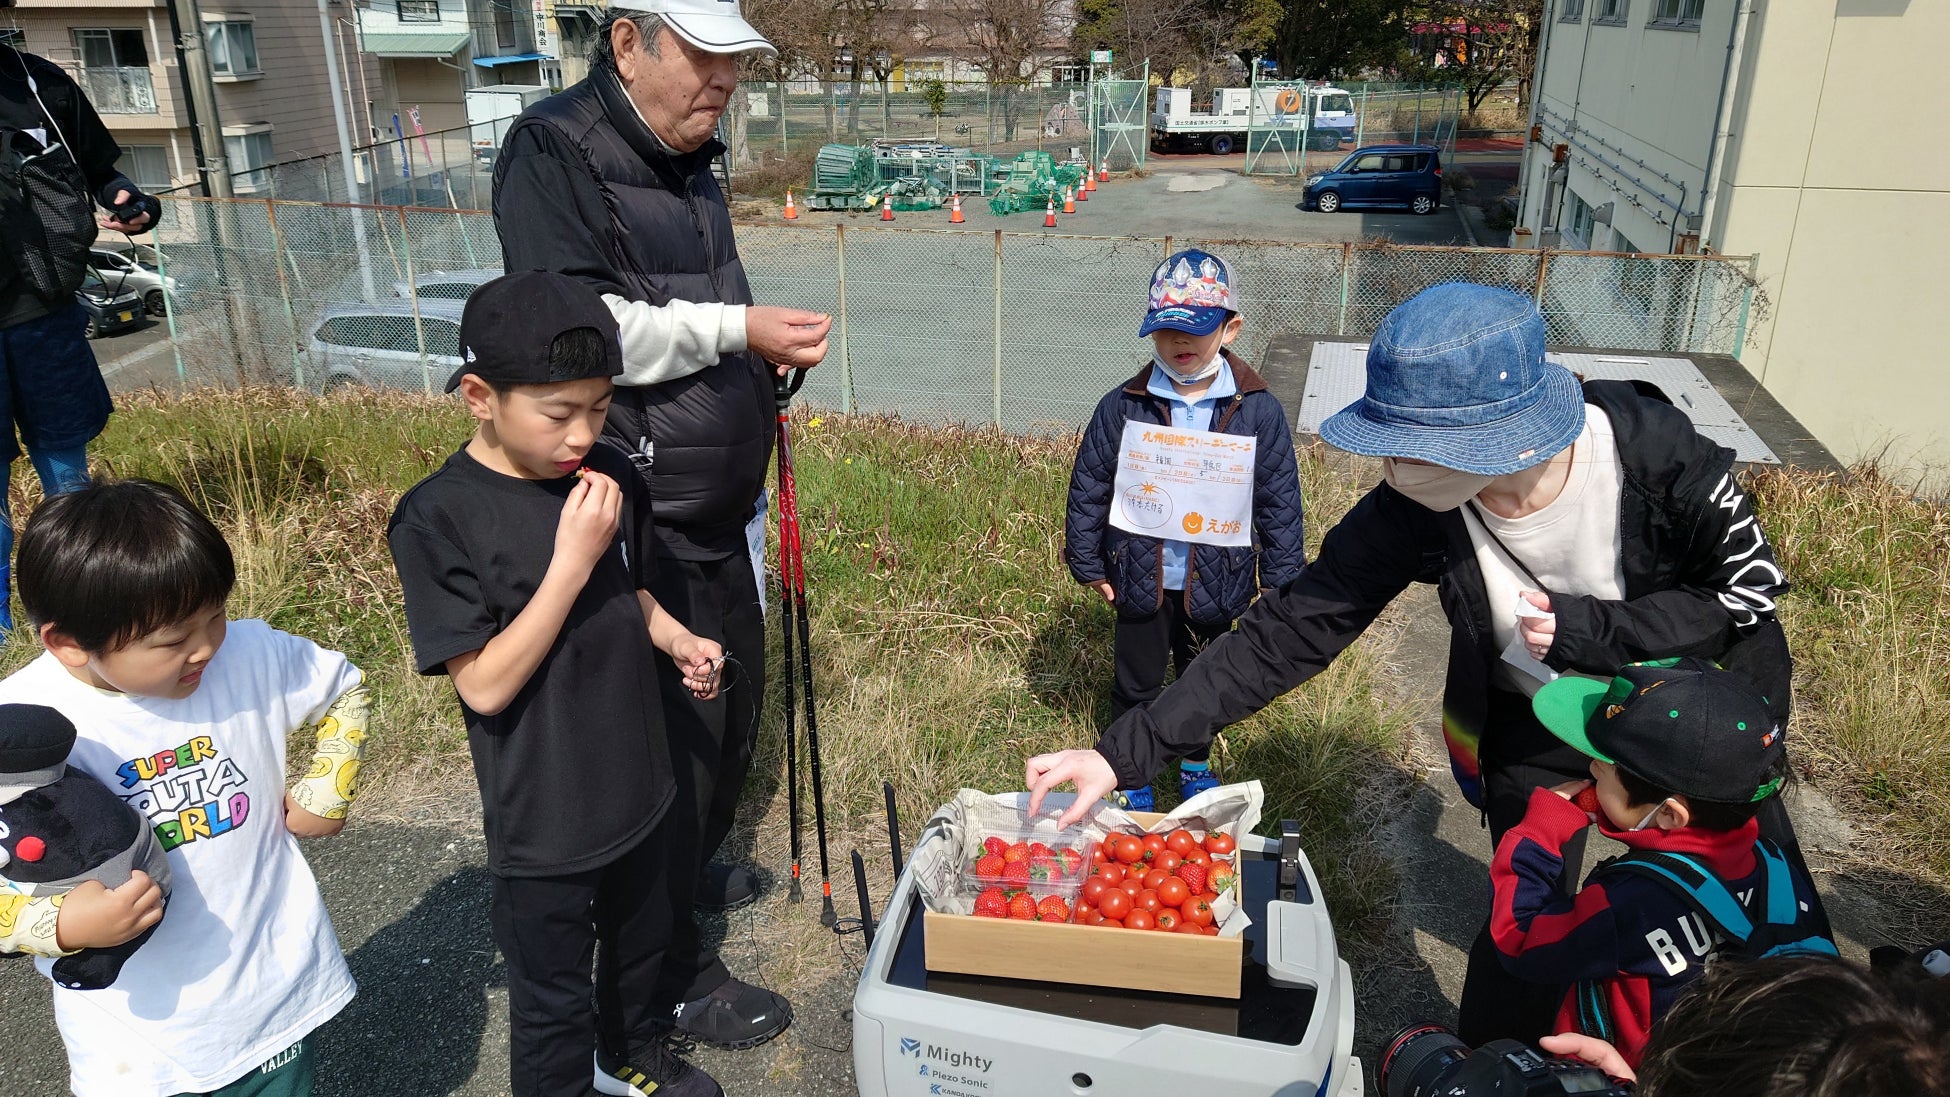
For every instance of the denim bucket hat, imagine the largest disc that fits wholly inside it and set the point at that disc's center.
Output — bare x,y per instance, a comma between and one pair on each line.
1457,377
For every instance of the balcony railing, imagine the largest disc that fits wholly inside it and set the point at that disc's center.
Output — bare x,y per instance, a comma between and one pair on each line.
118,90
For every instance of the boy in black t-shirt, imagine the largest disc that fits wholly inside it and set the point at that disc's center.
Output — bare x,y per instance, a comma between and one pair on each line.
526,563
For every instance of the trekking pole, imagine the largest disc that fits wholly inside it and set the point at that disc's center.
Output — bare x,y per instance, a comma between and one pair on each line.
782,395
792,548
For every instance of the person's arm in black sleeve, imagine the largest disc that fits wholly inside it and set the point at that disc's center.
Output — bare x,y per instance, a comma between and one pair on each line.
547,209
1729,587
1282,640
1277,505
1087,515
93,146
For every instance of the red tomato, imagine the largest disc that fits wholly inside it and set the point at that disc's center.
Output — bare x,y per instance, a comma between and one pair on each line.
1198,911
1090,916
1140,919
1131,886
1188,927
1167,861
1218,845
1097,854
1155,877
1173,892
1147,900
1180,841
1112,923
1211,931
1111,874
1093,889
1114,905
1154,844
1168,920
1127,848
1199,857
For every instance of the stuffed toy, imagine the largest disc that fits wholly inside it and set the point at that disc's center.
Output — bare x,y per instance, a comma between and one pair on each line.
60,828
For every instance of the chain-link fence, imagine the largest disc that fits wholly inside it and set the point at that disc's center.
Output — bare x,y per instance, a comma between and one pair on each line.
1021,330
1295,127
452,168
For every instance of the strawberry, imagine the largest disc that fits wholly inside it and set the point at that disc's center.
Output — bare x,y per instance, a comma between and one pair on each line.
1072,860
1221,878
992,903
1053,909
1022,907
1017,852
1044,868
1193,874
1038,849
1016,872
994,845
989,866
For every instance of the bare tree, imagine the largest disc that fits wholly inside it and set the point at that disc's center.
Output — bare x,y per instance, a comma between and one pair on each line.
1485,44
1010,42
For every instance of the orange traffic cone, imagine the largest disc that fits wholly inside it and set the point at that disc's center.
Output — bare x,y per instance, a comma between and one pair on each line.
1089,179
887,206
954,213
1049,213
1069,200
1103,173
791,211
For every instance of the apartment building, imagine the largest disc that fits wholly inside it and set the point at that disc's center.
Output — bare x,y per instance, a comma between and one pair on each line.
430,52
1801,133
267,58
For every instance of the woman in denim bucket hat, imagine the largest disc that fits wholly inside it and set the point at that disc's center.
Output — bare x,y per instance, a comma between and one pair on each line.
1568,527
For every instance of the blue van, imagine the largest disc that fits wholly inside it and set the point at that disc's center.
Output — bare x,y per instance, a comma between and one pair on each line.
1380,175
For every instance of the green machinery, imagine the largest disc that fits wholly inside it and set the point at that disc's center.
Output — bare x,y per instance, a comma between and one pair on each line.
1032,180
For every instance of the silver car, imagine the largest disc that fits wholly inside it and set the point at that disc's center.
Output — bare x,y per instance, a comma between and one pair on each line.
447,285
382,345
130,272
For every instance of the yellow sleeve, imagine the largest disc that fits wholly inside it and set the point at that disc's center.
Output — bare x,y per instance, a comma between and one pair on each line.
329,787
27,924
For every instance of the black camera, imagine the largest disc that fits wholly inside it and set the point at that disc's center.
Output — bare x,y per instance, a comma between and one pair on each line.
1428,1060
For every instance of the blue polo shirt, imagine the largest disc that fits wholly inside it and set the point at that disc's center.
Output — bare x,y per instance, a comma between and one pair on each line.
1193,415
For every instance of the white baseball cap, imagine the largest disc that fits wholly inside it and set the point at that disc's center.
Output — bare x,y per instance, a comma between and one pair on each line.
714,26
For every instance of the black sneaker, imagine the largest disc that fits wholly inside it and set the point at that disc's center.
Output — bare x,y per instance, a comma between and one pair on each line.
722,888
653,1071
737,1015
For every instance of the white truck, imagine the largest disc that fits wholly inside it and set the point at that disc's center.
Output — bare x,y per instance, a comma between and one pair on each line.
1324,115
492,109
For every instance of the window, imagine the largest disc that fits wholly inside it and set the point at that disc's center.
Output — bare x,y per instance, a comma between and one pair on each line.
1332,104
233,47
504,24
1677,14
1577,233
1612,11
147,166
448,291
110,48
1370,162
1573,11
249,152
114,69
419,11
13,36
443,337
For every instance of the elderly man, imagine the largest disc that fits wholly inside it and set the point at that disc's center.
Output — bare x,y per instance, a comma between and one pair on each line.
610,181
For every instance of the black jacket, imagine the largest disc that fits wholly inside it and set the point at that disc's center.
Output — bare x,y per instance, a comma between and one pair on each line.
94,150
1700,579
1220,580
584,188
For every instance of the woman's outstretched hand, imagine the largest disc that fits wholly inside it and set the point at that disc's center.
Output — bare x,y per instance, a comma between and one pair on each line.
1089,770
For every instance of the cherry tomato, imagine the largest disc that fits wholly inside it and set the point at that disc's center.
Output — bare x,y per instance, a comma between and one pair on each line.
1168,920
1090,916
1173,892
1197,911
1218,845
1147,900
1167,861
1097,854
1188,927
1180,841
1155,877
1154,844
1114,905
1093,889
1131,886
1211,931
1127,849
1111,874
1199,857
1140,919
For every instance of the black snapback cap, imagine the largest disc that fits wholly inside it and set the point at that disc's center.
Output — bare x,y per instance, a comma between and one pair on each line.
33,737
510,324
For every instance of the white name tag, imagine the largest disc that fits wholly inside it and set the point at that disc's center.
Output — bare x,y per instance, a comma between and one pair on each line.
1184,485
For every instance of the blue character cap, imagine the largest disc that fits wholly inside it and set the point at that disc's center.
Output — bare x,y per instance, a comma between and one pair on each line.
1190,292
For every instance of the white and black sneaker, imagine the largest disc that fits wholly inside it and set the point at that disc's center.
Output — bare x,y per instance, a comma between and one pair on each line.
653,1071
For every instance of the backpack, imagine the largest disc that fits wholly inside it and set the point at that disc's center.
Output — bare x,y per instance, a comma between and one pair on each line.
47,218
1731,922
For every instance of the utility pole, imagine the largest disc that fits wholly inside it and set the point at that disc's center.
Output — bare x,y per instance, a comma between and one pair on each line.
345,151
194,55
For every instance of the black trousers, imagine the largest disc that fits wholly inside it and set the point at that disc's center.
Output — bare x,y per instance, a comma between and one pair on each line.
548,929
1519,754
1141,648
710,744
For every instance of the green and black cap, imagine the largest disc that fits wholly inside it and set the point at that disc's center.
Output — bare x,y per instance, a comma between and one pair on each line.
1680,724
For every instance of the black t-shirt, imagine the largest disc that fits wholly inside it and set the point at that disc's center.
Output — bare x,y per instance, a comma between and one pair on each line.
576,770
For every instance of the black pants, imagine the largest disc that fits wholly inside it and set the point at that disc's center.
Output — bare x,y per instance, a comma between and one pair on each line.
710,745
1142,646
547,928
1519,754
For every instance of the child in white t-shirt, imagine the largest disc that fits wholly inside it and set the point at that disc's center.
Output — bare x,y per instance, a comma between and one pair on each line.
184,714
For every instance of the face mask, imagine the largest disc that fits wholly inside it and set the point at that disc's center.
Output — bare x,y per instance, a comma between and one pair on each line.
1209,369
1651,815
1433,486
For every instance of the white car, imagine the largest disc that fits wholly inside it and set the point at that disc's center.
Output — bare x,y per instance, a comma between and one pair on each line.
130,272
383,345
446,285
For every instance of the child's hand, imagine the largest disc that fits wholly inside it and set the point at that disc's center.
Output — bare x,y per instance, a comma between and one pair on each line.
588,525
1103,587
702,662
93,916
304,824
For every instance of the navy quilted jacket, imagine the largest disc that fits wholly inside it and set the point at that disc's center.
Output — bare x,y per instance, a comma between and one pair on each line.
1220,581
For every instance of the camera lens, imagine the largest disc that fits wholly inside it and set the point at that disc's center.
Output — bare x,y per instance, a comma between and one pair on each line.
1418,1058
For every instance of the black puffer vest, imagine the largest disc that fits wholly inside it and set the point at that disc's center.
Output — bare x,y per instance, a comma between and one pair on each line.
702,440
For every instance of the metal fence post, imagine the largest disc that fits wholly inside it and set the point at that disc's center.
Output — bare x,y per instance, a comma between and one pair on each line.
1746,305
1543,268
846,359
1347,273
998,330
413,296
284,292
